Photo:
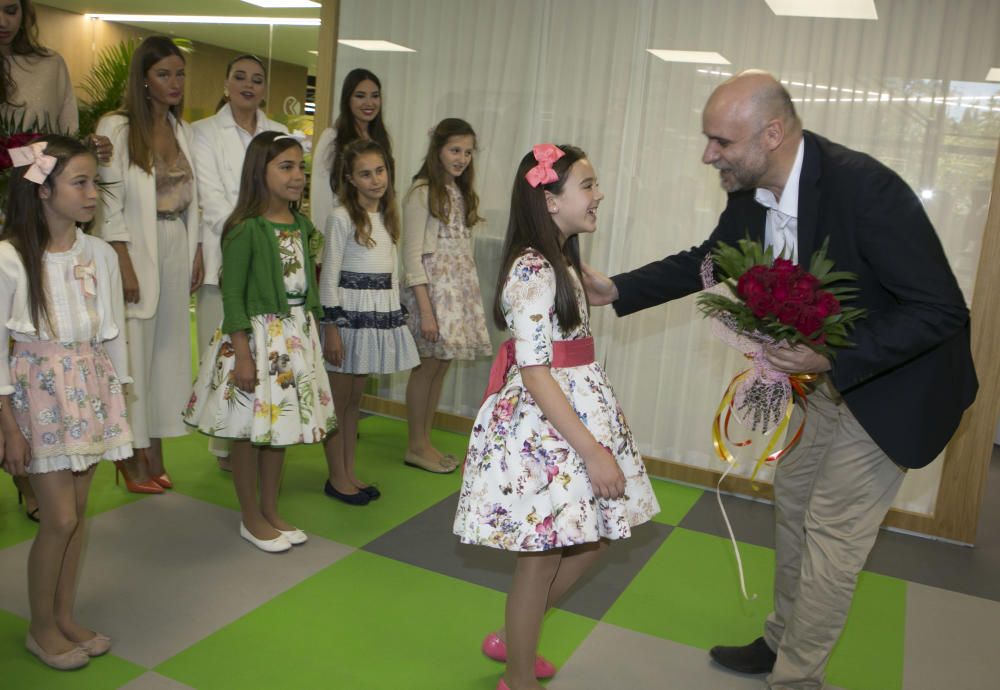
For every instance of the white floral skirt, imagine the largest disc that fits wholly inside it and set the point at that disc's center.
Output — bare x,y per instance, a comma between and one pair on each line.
291,402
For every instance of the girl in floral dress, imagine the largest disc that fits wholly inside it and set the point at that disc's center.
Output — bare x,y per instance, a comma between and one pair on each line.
62,407
260,382
552,471
364,330
443,297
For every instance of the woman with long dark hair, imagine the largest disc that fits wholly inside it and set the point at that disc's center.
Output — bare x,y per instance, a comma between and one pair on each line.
360,117
151,220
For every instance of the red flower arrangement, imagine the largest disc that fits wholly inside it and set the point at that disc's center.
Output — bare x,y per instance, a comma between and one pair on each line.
777,300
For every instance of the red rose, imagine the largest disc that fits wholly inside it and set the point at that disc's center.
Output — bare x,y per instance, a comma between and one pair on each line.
761,305
781,290
809,321
826,304
749,285
803,288
783,266
789,313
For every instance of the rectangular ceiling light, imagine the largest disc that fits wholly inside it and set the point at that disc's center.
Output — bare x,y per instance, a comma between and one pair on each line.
993,74
828,9
205,19
705,57
282,4
384,46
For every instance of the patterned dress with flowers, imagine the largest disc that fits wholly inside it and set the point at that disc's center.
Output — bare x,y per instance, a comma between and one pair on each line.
525,488
291,402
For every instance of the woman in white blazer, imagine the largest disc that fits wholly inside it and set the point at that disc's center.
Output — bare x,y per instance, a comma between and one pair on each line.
150,212
220,144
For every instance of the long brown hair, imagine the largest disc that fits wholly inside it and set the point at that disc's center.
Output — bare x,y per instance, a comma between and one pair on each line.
137,107
229,71
25,42
26,228
531,226
347,132
349,196
433,174
254,196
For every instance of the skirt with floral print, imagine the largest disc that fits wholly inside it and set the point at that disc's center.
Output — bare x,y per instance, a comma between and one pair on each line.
291,402
69,404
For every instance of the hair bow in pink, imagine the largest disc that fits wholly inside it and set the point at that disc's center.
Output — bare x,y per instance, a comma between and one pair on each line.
546,155
33,155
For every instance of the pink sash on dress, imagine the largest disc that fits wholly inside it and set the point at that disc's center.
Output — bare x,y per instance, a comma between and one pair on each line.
565,353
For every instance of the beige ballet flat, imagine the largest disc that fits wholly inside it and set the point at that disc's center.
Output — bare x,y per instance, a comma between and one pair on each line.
97,645
67,661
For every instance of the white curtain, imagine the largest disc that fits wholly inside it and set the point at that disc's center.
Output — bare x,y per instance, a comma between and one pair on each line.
907,88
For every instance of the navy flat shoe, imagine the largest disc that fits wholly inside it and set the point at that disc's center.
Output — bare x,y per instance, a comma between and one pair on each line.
359,499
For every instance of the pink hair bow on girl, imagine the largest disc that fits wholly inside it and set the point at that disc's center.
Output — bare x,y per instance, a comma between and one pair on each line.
546,155
33,155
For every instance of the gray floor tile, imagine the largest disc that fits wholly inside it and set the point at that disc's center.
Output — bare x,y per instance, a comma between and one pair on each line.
159,575
426,541
154,681
951,640
753,521
613,657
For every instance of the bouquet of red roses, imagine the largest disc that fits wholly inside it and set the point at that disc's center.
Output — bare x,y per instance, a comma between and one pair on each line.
778,300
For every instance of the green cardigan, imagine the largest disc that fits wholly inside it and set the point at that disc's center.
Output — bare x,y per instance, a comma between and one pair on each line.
252,278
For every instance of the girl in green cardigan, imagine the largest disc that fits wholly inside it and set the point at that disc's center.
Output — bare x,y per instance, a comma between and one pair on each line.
258,382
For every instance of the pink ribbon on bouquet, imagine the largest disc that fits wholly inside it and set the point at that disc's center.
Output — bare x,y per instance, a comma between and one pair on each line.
33,155
546,155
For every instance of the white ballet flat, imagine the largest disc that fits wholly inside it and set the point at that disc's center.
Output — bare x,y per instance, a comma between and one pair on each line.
276,545
295,536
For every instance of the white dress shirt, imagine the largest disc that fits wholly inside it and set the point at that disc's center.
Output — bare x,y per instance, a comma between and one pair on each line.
781,231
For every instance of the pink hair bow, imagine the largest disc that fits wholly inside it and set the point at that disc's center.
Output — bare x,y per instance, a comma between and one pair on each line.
546,155
33,155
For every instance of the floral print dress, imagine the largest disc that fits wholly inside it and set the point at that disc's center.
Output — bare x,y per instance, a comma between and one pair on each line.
525,488
291,402
453,289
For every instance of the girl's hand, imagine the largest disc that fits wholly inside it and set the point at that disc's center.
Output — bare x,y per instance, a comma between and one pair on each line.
102,147
197,270
245,373
600,289
17,454
428,327
606,478
333,346
130,282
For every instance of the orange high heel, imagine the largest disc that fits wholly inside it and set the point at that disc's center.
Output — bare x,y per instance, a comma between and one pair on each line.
147,487
163,481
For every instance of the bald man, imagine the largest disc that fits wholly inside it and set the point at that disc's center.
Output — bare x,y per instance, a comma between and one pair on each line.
890,402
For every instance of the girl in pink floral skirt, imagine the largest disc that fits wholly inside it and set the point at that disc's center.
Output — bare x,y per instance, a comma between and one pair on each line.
62,408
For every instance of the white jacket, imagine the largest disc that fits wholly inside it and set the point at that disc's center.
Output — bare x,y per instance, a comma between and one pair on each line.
322,200
129,210
218,160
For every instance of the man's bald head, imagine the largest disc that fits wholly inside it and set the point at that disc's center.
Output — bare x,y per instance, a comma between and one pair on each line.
757,96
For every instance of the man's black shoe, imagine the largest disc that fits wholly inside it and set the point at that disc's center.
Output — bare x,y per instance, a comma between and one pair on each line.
755,657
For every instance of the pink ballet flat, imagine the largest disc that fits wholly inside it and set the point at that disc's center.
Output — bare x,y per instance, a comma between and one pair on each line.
494,648
502,685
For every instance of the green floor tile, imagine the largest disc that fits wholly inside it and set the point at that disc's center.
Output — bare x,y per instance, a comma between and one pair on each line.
869,655
675,500
406,491
19,669
366,622
689,592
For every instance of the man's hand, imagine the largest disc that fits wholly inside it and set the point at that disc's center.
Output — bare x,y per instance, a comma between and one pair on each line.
600,289
800,359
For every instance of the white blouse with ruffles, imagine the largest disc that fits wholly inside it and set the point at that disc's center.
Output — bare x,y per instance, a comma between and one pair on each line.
84,289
